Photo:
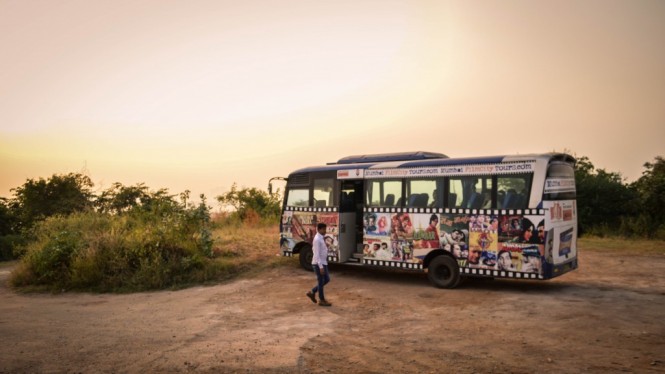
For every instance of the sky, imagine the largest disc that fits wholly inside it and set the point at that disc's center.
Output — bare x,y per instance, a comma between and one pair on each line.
198,95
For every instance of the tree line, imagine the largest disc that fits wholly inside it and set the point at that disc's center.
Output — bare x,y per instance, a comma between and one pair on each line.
606,205
62,195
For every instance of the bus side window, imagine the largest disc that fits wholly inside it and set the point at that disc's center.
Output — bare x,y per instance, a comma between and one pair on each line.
381,193
456,193
323,193
421,192
516,189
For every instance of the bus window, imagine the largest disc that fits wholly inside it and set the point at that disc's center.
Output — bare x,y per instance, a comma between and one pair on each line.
420,192
323,193
298,197
560,183
513,191
386,193
470,192
455,195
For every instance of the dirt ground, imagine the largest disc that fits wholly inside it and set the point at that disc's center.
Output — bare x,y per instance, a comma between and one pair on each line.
608,316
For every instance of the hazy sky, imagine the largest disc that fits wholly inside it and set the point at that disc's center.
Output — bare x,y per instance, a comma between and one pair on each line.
200,94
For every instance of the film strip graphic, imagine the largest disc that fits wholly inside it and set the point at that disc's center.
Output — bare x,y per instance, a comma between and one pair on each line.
393,264
310,209
330,258
495,212
500,273
427,210
417,266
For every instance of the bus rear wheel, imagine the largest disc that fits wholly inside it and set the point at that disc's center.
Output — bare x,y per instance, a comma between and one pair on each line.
443,272
305,257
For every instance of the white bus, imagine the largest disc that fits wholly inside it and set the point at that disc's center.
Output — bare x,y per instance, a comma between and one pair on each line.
499,217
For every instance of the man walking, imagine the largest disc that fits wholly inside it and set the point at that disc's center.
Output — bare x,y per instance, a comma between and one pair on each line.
320,265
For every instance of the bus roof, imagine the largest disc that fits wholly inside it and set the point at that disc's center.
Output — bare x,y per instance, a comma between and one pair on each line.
411,160
388,157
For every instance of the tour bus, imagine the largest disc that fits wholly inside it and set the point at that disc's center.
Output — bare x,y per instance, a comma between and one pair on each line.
498,217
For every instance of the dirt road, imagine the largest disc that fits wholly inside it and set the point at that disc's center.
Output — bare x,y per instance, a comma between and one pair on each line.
601,319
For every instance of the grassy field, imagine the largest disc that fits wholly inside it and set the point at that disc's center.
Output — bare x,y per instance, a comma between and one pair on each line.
102,259
249,247
620,245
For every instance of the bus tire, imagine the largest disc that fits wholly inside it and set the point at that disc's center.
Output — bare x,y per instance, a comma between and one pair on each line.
305,257
443,272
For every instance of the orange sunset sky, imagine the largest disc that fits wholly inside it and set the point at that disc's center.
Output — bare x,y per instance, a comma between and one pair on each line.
200,94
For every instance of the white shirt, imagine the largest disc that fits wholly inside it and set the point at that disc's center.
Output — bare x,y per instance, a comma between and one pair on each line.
319,251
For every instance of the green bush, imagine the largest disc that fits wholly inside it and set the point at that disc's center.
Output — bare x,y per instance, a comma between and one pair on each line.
10,246
161,247
252,205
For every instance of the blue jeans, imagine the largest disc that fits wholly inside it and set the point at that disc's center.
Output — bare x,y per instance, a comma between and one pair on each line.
322,278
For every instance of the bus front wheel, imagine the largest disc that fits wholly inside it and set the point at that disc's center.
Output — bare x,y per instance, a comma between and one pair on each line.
443,272
306,257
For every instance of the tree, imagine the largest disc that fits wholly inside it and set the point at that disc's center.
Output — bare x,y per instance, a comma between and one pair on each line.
651,190
119,198
602,198
8,237
246,200
60,194
6,218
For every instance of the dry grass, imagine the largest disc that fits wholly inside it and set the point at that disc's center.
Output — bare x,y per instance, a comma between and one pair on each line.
250,247
618,245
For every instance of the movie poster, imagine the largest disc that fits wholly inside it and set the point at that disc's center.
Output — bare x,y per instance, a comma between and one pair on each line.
426,231
377,224
303,228
510,228
525,258
533,230
286,242
401,227
483,242
379,248
454,232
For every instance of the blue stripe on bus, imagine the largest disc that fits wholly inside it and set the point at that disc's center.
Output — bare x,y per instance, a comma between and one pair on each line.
454,161
333,168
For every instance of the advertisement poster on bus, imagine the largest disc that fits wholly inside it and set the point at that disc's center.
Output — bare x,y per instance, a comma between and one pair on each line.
525,258
510,228
426,231
454,233
401,227
533,230
377,224
301,226
378,248
483,242
561,219
287,243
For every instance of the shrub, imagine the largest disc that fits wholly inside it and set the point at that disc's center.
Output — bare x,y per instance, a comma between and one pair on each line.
252,205
166,246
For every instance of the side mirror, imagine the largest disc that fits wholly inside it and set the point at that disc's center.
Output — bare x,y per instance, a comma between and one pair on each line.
270,183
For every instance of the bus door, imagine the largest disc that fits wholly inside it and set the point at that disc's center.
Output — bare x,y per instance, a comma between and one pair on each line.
350,219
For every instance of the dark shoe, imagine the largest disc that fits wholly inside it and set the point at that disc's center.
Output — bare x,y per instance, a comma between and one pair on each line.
324,303
311,297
